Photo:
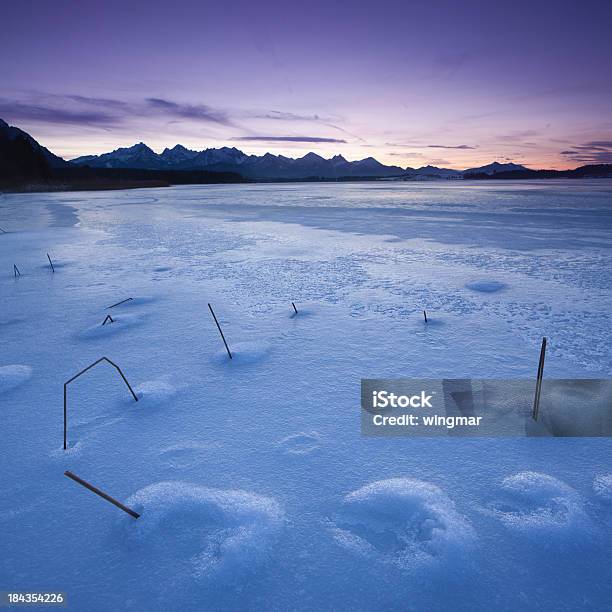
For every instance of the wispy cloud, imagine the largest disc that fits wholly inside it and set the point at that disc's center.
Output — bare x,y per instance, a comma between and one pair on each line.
600,144
121,114
412,145
199,112
92,101
462,146
325,120
518,135
86,110
19,111
407,155
288,139
284,116
594,152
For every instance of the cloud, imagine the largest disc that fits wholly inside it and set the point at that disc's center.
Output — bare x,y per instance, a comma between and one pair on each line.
19,111
200,112
328,121
284,116
93,101
86,110
593,152
463,146
517,135
601,143
287,139
106,113
407,154
430,146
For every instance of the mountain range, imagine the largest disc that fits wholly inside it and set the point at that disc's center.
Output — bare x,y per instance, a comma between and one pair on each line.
25,164
269,166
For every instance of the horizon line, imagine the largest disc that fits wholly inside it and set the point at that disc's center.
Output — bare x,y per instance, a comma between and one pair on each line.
350,158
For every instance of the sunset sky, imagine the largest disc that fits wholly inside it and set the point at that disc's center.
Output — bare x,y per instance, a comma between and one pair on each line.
449,83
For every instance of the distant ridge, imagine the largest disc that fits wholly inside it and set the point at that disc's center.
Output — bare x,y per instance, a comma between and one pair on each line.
230,159
496,168
24,163
269,166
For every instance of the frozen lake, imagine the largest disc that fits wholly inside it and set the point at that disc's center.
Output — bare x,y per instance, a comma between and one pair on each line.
256,489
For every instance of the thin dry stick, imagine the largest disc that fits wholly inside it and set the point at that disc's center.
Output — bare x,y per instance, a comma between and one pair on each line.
95,363
121,302
102,494
536,400
220,331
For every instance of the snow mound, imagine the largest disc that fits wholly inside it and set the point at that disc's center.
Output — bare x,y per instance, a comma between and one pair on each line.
121,323
12,376
486,286
532,500
155,392
300,443
202,532
602,485
408,523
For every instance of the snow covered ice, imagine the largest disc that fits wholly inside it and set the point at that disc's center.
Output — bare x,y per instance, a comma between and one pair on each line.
255,488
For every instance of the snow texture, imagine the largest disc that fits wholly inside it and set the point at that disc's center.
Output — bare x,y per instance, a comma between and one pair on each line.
406,522
12,376
255,487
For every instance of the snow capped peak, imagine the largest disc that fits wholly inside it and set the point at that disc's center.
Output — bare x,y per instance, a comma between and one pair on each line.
222,157
177,154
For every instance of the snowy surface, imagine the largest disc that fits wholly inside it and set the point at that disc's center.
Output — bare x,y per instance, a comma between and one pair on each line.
255,487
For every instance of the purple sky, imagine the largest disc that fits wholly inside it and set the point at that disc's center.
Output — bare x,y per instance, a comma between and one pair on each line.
452,83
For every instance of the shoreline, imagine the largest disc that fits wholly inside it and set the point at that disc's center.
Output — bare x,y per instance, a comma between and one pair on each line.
154,184
67,187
